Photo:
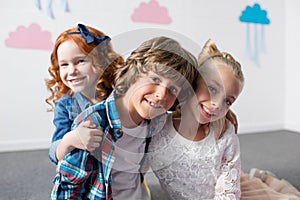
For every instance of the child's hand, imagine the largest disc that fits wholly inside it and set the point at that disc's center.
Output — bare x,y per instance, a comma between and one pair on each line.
90,137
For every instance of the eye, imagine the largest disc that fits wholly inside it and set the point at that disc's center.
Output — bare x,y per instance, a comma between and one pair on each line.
174,90
80,61
63,65
212,89
228,102
155,80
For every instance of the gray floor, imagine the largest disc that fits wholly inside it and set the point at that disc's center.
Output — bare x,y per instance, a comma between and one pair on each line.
28,175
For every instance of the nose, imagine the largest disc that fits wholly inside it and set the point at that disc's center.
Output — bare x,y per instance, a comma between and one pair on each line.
215,104
72,69
161,92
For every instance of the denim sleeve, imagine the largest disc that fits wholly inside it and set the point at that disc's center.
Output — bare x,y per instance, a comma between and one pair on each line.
52,151
62,121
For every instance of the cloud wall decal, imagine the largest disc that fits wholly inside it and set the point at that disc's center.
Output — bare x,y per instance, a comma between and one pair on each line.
151,12
254,15
31,37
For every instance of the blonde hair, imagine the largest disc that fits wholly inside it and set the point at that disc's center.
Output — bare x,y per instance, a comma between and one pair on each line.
163,56
106,60
210,53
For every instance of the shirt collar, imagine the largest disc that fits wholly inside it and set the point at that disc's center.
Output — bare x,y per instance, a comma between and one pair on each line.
82,101
113,116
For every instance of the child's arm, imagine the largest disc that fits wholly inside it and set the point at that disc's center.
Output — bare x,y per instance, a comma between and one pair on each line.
64,140
228,182
62,123
86,137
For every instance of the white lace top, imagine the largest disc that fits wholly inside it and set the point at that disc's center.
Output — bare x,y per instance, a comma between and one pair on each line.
206,169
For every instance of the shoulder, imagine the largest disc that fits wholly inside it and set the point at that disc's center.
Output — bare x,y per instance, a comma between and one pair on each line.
64,99
109,105
161,123
64,102
161,131
70,103
229,135
230,130
108,108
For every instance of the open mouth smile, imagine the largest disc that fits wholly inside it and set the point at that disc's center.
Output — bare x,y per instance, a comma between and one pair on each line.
76,81
206,112
152,104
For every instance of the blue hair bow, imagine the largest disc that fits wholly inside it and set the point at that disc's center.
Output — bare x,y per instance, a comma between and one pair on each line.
90,38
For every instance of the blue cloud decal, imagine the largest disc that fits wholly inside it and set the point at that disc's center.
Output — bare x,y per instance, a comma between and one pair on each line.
254,15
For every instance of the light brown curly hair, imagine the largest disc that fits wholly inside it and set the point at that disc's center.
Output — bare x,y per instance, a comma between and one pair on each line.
162,55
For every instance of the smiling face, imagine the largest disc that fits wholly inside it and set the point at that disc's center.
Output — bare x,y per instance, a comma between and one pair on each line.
151,95
217,90
76,69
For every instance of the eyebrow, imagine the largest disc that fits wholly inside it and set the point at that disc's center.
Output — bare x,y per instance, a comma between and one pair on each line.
61,61
220,85
217,83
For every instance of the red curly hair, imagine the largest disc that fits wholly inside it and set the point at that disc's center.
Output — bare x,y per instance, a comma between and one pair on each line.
107,59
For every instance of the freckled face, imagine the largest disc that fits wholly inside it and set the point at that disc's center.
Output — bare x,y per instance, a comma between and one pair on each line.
76,69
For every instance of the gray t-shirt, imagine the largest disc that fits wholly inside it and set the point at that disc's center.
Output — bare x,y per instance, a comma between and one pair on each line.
129,151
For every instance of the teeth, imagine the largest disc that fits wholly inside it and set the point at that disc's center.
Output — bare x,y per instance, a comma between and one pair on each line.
154,105
76,81
206,110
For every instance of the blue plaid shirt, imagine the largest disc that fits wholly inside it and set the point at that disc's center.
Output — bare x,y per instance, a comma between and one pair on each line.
80,175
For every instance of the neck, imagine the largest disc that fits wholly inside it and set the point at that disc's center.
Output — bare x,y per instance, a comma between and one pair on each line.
92,96
187,126
128,117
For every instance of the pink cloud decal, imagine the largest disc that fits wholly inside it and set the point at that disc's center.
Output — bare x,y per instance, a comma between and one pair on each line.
30,38
151,13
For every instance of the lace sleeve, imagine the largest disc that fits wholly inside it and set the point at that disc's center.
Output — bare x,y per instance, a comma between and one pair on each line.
228,182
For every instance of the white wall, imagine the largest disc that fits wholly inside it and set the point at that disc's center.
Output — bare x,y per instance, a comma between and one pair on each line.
263,105
291,53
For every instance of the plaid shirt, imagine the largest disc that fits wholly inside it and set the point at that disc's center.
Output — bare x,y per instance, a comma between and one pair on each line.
80,175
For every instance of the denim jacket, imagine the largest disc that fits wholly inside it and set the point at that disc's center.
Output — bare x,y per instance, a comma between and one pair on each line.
66,109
